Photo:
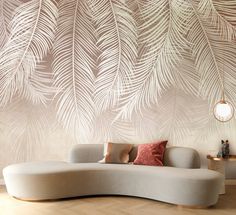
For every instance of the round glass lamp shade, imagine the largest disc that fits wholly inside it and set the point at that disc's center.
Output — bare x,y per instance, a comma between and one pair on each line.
223,111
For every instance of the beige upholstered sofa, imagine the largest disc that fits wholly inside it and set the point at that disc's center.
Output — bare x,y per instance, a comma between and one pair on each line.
180,181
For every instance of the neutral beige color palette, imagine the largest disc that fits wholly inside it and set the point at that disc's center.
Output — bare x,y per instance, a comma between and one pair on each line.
114,205
28,131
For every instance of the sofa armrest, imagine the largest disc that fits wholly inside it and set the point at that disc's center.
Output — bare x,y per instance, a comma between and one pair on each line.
182,157
86,153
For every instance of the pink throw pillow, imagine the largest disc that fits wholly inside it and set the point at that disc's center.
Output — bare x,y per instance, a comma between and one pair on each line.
151,154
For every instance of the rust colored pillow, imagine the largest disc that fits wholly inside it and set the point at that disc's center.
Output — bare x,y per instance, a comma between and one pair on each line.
151,154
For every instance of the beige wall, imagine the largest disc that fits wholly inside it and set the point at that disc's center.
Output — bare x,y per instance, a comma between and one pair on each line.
39,132
28,134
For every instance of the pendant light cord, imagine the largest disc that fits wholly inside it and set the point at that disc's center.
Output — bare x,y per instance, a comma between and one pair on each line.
223,83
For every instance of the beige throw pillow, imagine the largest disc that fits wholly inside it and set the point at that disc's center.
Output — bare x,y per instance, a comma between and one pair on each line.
116,153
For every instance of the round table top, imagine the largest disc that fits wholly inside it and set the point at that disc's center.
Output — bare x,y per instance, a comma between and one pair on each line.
230,158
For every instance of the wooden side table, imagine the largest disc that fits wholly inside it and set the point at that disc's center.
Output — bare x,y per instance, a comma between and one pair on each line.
218,164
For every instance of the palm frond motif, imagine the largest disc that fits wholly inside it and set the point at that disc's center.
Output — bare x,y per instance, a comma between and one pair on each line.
226,8
213,56
74,64
125,70
7,8
186,76
220,14
161,48
108,130
28,127
117,38
146,126
31,35
179,116
135,8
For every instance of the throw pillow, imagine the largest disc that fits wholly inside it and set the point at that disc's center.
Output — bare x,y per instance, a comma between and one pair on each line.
116,153
151,154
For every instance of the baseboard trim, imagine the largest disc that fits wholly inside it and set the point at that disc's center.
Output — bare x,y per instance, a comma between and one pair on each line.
2,182
230,182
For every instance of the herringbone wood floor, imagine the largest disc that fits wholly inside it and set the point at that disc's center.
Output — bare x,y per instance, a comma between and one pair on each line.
112,205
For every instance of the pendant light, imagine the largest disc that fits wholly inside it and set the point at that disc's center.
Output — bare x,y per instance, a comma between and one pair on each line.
223,110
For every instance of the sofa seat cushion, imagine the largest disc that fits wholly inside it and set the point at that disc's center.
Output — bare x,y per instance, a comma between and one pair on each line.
56,180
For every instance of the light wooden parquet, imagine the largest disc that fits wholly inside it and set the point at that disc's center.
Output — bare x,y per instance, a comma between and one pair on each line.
111,205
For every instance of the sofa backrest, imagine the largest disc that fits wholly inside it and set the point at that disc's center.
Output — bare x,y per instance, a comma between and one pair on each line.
181,157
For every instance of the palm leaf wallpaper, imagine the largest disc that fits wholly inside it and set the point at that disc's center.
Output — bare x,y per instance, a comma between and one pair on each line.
73,67
22,54
117,70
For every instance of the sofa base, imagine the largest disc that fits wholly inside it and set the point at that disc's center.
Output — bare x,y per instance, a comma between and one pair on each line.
195,206
62,199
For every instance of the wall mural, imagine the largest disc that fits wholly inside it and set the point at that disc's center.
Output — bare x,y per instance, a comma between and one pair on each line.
119,70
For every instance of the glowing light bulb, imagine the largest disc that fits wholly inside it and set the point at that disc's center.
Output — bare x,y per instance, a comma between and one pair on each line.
223,111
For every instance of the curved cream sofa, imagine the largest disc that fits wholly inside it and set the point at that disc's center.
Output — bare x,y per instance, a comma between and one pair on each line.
180,181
